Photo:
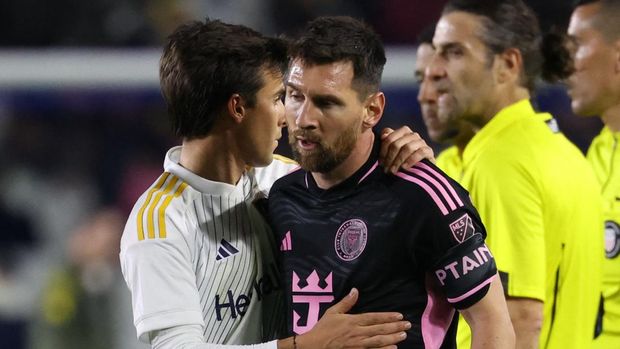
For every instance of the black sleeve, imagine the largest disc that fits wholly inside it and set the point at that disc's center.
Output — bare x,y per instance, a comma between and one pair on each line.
451,246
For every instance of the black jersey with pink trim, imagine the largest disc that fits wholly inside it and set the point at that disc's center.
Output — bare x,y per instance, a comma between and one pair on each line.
410,242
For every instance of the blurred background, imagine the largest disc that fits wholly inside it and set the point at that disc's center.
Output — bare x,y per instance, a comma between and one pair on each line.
83,132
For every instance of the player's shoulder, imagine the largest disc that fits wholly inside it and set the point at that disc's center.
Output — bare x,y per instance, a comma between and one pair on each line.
279,167
158,211
425,181
294,178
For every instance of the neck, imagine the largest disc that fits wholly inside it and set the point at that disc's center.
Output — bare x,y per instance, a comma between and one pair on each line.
466,133
359,155
611,118
214,157
503,99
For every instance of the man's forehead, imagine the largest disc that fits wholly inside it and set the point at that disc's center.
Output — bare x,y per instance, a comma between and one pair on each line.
582,17
336,74
457,26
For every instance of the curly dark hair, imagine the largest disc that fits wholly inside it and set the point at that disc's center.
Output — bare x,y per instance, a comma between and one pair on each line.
204,63
327,40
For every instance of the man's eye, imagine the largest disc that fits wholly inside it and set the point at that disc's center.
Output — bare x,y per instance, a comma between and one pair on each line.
295,96
454,52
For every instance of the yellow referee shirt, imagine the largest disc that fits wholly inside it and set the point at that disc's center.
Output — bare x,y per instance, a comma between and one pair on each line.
604,156
449,161
541,205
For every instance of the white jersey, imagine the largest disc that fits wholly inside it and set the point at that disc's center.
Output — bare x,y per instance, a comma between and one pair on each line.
198,252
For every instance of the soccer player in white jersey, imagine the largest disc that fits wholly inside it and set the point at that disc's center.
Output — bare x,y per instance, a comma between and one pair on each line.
196,253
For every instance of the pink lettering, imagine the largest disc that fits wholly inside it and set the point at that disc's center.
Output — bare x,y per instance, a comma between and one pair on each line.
452,268
485,253
478,258
441,275
469,265
314,308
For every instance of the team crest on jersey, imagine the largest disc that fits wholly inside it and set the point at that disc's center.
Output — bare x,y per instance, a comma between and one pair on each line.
351,239
612,239
462,228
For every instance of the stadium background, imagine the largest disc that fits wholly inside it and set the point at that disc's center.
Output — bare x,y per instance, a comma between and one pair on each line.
83,132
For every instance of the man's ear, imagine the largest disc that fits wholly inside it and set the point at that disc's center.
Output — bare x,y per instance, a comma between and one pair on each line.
508,65
236,107
373,111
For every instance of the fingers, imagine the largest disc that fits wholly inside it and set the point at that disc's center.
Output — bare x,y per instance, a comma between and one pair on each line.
388,137
385,132
406,152
383,341
345,304
424,152
384,329
369,319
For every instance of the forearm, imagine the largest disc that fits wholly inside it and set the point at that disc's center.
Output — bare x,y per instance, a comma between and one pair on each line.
489,320
492,335
526,316
190,337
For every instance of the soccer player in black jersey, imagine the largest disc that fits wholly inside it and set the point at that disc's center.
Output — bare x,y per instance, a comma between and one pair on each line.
410,242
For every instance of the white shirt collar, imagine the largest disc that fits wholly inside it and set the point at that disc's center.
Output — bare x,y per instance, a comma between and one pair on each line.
203,185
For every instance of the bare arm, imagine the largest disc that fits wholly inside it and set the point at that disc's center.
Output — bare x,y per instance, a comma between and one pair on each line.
489,320
527,317
335,330
339,330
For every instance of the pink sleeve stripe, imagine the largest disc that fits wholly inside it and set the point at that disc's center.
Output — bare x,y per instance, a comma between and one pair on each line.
427,188
442,178
296,168
369,172
438,186
472,291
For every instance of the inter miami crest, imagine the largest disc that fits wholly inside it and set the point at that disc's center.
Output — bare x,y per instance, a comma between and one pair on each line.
462,228
351,239
612,239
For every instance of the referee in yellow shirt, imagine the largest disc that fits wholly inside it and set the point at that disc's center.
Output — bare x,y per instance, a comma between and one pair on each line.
447,129
535,191
594,88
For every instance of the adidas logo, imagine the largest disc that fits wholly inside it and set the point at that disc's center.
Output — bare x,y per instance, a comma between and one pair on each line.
286,242
226,250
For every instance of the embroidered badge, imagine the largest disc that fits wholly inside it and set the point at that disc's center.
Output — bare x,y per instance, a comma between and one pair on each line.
351,239
462,228
612,239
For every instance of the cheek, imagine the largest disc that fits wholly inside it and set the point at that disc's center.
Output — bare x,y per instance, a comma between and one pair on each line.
582,58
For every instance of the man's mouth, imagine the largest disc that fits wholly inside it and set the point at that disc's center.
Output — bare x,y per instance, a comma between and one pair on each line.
306,144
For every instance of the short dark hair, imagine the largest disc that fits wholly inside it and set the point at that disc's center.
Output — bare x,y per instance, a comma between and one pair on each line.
426,35
328,40
204,63
512,24
607,17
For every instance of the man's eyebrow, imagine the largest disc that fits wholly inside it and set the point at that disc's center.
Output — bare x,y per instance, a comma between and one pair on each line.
447,45
326,99
291,85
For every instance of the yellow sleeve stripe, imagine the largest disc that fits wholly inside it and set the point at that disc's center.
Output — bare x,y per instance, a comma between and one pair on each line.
157,187
162,209
284,159
150,220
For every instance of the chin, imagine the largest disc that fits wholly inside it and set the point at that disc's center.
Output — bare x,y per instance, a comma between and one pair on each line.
582,110
264,161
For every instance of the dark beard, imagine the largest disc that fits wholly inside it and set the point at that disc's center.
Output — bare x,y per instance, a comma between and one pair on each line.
324,158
